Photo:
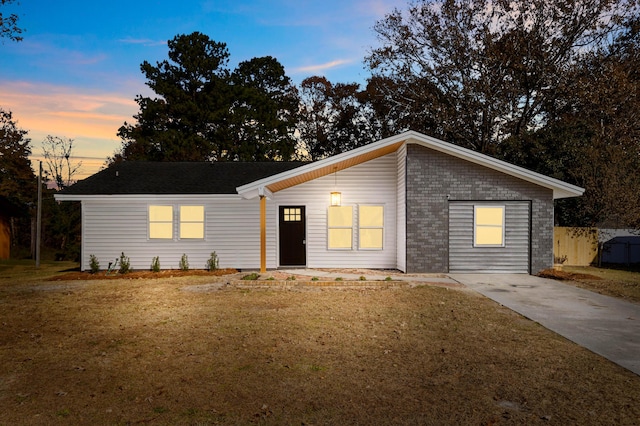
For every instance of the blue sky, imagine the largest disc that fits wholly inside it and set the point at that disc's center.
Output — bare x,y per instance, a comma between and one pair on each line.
77,71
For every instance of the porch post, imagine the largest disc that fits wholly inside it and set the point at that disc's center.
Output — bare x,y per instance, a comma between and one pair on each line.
263,234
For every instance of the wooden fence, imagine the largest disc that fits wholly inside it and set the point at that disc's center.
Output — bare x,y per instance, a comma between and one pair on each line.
575,246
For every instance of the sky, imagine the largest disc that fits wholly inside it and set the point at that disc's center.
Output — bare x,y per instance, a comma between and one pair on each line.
77,72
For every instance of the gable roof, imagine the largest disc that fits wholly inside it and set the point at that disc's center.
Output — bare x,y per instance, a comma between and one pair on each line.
377,149
258,178
146,177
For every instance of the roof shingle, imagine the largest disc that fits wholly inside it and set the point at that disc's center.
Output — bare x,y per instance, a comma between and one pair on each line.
143,177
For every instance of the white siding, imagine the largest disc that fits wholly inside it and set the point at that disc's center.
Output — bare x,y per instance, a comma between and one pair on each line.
401,209
112,224
232,230
373,182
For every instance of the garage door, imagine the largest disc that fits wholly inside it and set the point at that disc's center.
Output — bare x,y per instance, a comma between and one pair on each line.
489,236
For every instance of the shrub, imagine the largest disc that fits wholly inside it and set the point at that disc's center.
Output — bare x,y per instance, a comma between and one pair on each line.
388,279
363,278
213,262
125,264
94,265
251,277
184,263
155,264
339,279
314,278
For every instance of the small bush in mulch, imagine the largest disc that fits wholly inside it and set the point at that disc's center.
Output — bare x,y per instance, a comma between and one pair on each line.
251,277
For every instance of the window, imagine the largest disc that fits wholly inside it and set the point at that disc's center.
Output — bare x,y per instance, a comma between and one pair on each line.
370,226
292,214
488,226
161,222
192,222
340,221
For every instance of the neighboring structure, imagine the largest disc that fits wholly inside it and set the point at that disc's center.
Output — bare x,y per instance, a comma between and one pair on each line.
409,202
7,211
619,246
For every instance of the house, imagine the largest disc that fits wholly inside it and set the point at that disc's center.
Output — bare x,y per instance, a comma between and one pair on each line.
409,202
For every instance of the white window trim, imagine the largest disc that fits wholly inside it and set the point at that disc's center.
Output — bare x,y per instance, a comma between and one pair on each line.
204,222
371,227
475,225
173,219
329,228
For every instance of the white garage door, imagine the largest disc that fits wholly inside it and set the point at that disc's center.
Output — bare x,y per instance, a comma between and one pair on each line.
489,236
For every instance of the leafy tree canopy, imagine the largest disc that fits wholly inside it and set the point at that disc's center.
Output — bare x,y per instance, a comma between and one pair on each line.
476,72
205,112
334,118
9,24
17,180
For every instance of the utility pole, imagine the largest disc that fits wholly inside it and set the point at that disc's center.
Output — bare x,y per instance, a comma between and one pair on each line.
39,219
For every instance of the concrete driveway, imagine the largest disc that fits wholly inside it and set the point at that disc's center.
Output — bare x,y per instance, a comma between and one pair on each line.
605,325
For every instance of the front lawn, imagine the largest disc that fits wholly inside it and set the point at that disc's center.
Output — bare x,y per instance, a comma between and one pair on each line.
196,350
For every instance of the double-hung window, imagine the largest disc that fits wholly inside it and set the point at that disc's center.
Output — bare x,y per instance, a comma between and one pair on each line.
488,226
161,222
370,227
340,224
191,222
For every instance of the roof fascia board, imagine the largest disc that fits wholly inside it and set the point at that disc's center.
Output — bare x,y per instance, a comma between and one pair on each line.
560,189
322,163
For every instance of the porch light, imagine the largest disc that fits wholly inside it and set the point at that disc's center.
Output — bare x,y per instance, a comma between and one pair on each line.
336,198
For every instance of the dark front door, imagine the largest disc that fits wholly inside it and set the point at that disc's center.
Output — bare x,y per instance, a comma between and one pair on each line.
292,236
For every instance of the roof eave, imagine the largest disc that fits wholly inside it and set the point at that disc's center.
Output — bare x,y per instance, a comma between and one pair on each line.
338,162
325,166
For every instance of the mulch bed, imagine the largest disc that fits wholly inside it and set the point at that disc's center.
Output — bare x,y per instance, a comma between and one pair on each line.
170,273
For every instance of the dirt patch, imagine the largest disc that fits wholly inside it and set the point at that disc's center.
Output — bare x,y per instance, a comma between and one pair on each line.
558,274
621,284
145,351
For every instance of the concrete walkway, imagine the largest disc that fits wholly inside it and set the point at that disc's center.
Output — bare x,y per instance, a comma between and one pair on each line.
605,325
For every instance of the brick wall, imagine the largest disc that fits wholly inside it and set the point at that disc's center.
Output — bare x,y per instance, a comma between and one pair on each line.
433,176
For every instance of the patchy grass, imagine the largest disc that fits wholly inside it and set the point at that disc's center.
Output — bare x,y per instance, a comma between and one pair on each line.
611,282
20,271
149,351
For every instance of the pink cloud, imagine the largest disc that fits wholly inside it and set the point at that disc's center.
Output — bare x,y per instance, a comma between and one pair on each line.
90,118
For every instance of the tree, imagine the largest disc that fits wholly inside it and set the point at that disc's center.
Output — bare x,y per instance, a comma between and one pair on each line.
17,180
476,72
9,24
204,112
602,100
58,160
264,112
334,118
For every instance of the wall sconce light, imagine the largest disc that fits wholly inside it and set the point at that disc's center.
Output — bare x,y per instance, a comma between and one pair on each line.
336,198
